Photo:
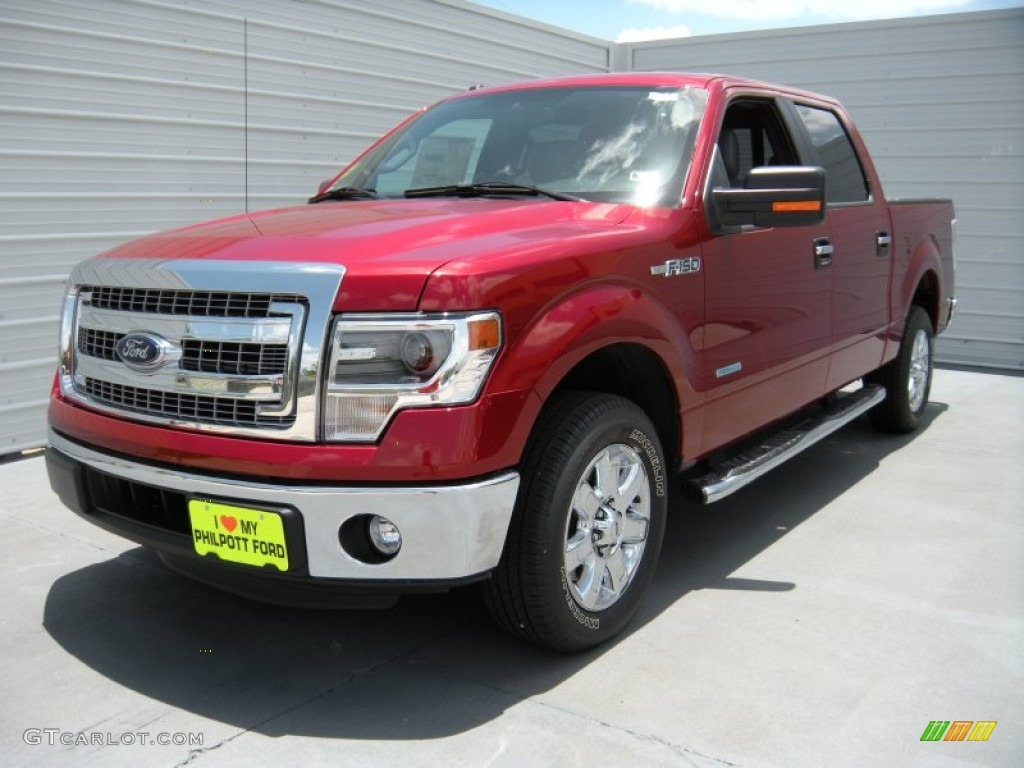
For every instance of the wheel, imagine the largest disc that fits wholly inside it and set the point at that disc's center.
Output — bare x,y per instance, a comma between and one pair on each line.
907,378
588,524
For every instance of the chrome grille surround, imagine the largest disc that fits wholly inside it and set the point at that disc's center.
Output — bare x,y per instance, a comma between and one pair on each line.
244,342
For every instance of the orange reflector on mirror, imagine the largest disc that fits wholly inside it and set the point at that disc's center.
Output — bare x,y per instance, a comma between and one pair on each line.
797,205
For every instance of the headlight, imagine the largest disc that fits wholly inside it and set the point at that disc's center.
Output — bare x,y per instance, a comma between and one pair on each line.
380,364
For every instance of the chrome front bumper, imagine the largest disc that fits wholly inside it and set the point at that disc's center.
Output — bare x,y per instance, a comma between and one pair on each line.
448,532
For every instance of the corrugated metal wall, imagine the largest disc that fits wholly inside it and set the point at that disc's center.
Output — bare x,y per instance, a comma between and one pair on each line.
940,102
121,118
124,117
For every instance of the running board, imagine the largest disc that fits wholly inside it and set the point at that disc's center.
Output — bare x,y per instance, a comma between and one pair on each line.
731,475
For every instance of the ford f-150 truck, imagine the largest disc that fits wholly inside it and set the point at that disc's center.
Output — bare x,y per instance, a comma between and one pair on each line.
487,348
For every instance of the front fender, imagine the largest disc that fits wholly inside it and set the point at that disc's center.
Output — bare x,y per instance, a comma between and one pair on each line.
577,289
582,323
586,321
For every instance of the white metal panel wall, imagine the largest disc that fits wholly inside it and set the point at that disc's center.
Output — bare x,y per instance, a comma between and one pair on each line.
119,118
116,119
326,78
940,102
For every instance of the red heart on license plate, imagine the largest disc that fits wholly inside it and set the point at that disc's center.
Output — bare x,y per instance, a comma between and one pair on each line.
228,522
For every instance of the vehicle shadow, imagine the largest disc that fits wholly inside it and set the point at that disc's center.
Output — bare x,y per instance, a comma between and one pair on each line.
433,666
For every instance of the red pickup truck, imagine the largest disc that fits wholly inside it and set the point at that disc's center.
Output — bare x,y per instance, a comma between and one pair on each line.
485,350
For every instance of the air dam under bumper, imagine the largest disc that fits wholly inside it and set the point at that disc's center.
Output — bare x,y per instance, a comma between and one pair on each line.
449,533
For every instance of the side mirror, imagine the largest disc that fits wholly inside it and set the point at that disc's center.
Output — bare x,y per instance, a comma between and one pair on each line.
324,185
774,196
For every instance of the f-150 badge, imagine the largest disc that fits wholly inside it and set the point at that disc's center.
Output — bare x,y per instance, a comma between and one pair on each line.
674,267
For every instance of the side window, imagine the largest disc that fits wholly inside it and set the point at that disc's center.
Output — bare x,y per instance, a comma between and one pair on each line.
752,136
845,177
448,155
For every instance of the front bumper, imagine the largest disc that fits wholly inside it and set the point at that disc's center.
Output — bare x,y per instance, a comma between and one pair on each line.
450,533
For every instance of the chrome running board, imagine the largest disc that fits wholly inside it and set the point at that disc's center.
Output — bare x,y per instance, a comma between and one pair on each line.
733,474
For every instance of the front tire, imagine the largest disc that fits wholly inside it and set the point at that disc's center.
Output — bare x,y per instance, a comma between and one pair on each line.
588,524
907,378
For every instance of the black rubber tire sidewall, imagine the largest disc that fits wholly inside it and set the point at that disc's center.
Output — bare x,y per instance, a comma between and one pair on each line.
576,428
894,414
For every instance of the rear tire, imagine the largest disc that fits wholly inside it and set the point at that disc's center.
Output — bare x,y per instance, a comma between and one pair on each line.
588,524
907,378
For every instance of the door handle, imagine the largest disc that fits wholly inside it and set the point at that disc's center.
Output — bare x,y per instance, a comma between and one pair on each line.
882,243
822,252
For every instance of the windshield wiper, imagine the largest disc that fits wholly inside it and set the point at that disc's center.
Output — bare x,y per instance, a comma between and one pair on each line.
486,188
345,193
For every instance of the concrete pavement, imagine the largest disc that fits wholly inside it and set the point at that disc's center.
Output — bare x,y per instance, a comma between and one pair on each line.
823,616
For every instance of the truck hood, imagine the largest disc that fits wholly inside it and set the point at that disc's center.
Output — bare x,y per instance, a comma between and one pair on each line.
388,247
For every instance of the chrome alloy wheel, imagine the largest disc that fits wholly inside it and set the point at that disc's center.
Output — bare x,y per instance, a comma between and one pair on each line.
920,366
606,529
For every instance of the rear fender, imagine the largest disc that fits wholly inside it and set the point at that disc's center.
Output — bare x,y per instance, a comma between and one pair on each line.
924,265
921,264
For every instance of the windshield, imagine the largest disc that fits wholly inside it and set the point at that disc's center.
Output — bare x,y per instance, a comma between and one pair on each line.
622,144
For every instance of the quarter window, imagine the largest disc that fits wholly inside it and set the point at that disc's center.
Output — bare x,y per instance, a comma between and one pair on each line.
845,182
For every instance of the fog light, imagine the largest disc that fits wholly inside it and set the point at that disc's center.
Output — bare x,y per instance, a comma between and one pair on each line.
385,536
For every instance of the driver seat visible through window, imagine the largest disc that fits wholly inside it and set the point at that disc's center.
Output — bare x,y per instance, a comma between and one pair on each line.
729,146
752,136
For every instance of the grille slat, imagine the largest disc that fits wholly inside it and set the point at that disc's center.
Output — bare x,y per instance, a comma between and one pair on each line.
201,408
98,343
192,303
239,359
232,358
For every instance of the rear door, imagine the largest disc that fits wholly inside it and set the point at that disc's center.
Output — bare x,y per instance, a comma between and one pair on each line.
860,236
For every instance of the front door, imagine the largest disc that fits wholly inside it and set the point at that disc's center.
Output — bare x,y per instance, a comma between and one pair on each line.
767,327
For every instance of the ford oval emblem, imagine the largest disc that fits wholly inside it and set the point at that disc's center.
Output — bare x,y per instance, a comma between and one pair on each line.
142,351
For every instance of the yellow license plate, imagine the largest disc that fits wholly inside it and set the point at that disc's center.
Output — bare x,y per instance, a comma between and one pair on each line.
238,534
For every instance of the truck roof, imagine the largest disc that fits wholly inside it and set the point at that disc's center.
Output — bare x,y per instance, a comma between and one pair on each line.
708,81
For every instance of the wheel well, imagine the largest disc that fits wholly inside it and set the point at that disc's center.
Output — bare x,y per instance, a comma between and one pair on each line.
927,297
636,373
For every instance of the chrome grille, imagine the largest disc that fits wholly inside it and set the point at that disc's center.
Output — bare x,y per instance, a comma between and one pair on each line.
192,303
230,364
210,410
238,343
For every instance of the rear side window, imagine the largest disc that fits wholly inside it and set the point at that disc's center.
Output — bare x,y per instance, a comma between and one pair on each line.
845,182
